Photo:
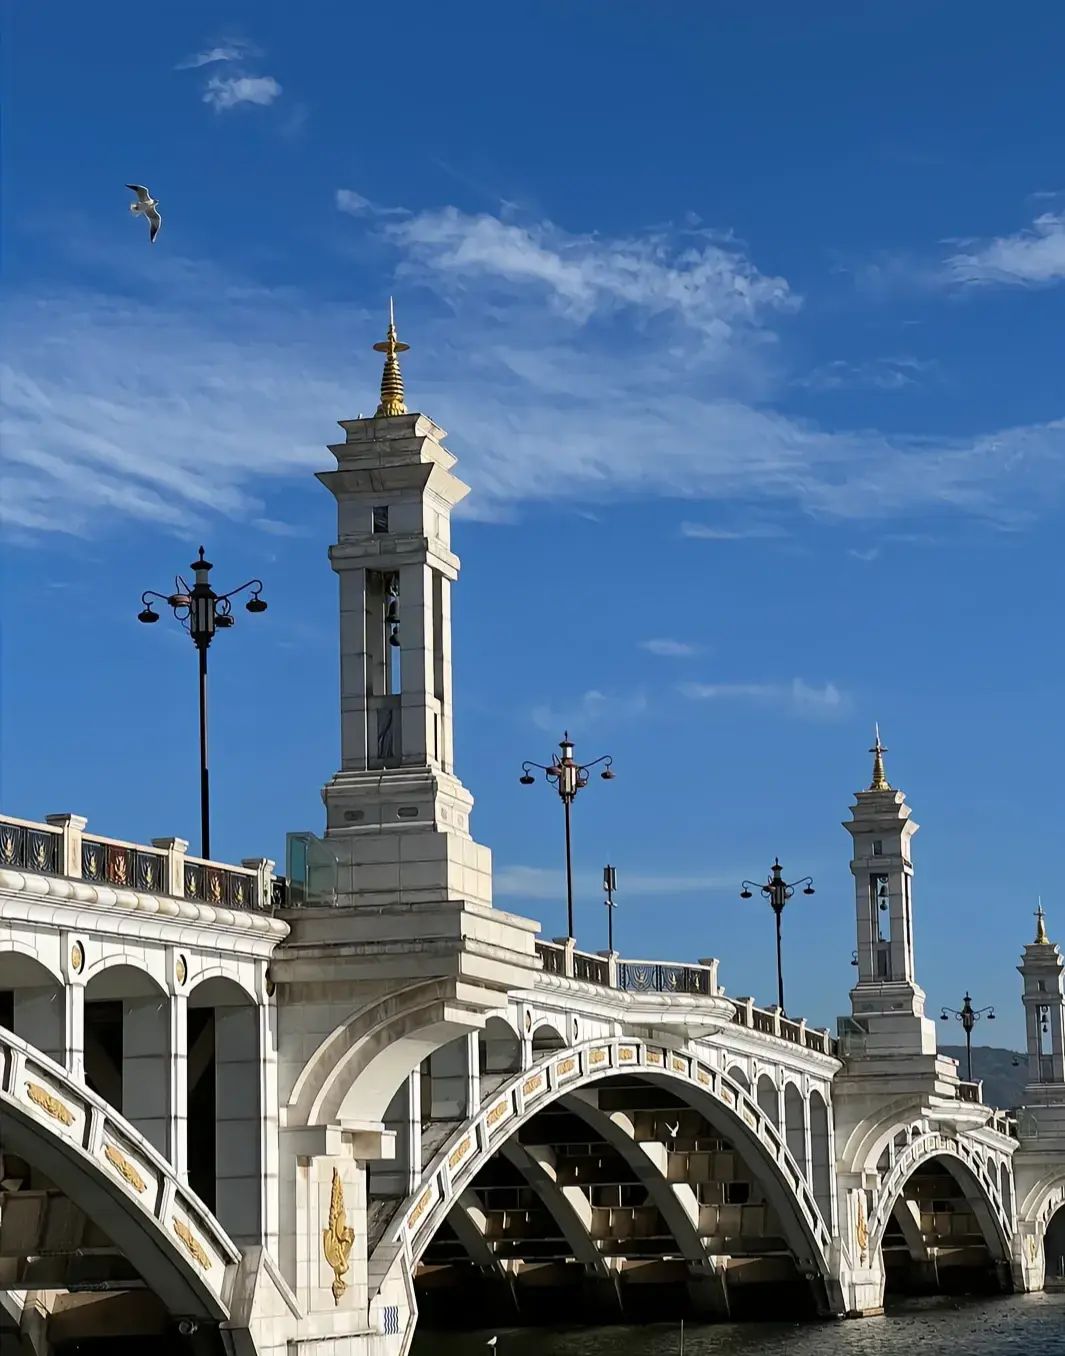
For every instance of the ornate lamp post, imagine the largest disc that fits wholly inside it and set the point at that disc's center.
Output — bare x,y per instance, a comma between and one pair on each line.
777,891
968,1016
201,612
568,777
610,884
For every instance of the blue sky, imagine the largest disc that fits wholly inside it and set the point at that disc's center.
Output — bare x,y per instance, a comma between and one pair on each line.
746,326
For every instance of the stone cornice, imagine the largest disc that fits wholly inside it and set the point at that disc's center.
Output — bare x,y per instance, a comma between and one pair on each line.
72,904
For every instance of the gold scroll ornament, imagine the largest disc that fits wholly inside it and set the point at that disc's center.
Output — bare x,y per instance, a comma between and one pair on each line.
338,1238
193,1246
52,1106
125,1168
861,1229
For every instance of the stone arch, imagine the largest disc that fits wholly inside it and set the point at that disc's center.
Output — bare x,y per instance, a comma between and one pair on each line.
821,1156
33,999
739,1077
358,1067
795,1124
546,1037
128,1046
719,1100
229,974
964,1165
499,1048
107,1170
225,1102
768,1098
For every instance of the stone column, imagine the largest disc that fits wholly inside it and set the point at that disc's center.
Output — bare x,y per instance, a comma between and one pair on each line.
40,1019
178,1118
73,827
449,1081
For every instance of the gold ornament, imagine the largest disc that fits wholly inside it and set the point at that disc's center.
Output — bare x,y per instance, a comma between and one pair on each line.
192,1244
338,1238
77,958
861,1229
125,1168
181,970
391,378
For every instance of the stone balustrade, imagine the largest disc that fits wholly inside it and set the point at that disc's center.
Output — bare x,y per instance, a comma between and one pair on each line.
62,847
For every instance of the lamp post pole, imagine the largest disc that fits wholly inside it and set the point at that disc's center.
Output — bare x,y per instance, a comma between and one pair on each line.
610,884
968,1016
201,612
777,891
568,777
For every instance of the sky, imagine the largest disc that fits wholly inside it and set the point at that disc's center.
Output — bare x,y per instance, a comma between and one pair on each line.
746,326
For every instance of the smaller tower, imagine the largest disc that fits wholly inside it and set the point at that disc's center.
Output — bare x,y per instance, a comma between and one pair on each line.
1042,969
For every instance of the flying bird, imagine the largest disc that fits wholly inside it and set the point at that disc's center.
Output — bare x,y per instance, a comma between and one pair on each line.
673,1130
146,206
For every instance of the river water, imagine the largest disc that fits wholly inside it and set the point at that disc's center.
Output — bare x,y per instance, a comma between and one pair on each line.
1013,1325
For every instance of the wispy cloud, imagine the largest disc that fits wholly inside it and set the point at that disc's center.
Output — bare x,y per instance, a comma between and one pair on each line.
514,355
1031,258
798,696
865,554
708,532
539,882
670,649
592,708
223,92
881,374
227,51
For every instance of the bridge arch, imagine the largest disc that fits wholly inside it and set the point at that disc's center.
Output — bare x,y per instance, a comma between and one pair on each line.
562,1074
116,1179
964,1163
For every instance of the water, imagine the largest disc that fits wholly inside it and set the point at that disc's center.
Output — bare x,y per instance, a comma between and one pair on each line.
1006,1326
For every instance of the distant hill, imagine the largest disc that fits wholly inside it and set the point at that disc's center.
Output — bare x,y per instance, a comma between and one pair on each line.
1004,1072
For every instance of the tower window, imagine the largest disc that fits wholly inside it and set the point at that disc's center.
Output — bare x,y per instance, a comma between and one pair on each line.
878,847
380,519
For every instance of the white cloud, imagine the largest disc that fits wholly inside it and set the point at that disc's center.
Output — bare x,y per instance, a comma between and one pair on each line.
229,51
546,403
670,649
708,532
538,882
223,92
1032,258
881,374
800,697
593,707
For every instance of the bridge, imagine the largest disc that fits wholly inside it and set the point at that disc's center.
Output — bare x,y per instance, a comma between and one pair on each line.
288,1115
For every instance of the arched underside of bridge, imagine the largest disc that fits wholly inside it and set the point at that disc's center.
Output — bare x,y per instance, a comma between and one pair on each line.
611,1182
944,1224
94,1217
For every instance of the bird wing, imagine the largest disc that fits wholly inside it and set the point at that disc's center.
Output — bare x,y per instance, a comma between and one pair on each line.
156,221
140,191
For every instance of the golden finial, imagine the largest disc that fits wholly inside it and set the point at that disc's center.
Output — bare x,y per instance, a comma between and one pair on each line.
391,377
880,781
1040,925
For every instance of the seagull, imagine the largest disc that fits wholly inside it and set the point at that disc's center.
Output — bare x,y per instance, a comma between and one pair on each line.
146,206
492,1342
673,1130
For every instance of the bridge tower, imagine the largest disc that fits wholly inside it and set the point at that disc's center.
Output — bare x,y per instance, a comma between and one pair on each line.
1042,969
397,816
887,999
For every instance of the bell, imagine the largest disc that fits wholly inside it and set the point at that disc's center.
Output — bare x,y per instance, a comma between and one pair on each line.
392,616
393,638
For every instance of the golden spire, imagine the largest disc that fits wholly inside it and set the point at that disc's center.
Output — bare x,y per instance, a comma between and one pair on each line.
391,377
1040,925
880,781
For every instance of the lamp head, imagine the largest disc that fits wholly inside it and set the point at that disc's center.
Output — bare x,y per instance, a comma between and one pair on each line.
148,616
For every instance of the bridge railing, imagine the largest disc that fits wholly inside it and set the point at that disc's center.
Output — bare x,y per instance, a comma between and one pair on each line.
61,847
632,976
772,1022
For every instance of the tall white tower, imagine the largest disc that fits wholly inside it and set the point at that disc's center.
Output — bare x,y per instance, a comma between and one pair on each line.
1042,969
397,817
887,990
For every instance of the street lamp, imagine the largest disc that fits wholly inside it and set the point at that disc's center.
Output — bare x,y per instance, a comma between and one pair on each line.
610,884
777,891
201,612
968,1016
569,777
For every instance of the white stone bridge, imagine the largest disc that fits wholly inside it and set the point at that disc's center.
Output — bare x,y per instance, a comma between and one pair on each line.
263,1116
